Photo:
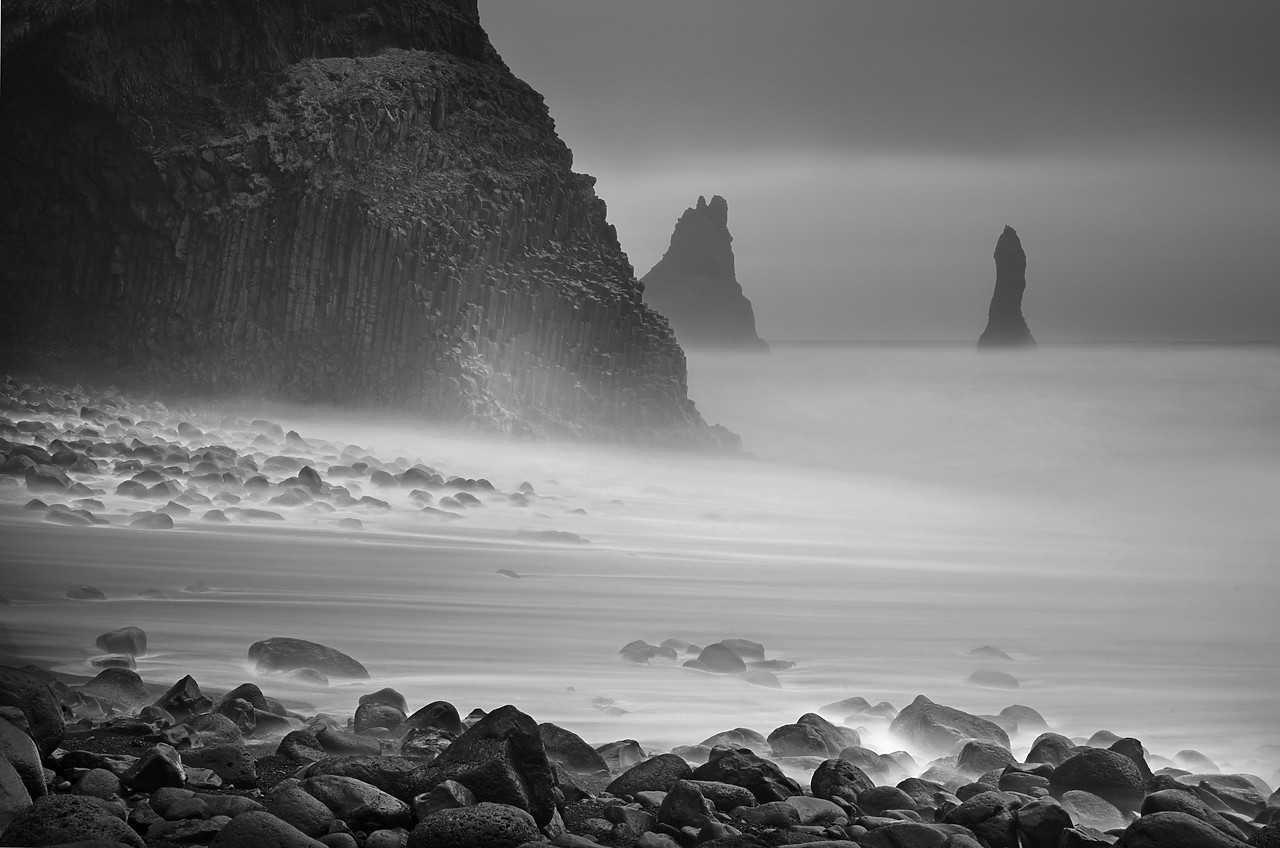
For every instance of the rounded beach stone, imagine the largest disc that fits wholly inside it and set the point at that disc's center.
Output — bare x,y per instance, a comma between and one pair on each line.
569,750
876,800
23,755
282,653
1107,774
124,640
1174,830
719,658
1052,748
214,729
232,763
39,707
685,806
739,737
1041,823
978,757
657,774
14,797
725,796
938,728
357,803
1177,801
743,768
59,819
158,766
387,697
372,716
440,715
300,809
839,778
486,825
118,684
260,829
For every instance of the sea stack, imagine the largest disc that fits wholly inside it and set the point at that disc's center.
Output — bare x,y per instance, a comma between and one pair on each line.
1005,325
695,285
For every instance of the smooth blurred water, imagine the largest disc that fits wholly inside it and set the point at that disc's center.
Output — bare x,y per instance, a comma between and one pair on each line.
1107,516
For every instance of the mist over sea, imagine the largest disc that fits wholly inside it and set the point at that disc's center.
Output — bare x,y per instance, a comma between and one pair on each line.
1107,516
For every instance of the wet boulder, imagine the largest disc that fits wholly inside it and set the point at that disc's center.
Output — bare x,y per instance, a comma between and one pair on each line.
718,658
1174,830
1177,801
260,829
979,757
878,800
387,697
569,750
21,752
124,640
33,697
357,803
158,766
811,736
440,715
1107,774
486,825
990,815
121,685
233,764
685,806
938,728
743,768
657,774
500,758
839,778
62,819
1052,748
184,699
282,653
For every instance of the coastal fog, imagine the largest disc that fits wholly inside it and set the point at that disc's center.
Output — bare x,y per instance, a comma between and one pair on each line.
1104,516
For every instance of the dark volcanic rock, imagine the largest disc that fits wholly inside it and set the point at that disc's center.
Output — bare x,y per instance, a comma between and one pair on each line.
486,825
281,653
1174,830
657,774
743,768
39,707
500,758
62,819
318,202
1005,325
695,284
1107,774
126,640
939,728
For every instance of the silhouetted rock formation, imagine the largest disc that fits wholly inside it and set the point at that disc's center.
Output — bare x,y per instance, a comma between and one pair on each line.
1005,325
695,286
351,203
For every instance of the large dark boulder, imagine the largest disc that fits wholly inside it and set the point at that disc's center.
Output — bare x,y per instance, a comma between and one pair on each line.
1178,801
718,658
569,750
1052,748
125,640
839,778
990,816
1174,830
60,819
282,653
938,729
33,697
260,829
486,825
501,759
743,768
437,715
811,736
656,774
1107,774
184,699
402,777
118,684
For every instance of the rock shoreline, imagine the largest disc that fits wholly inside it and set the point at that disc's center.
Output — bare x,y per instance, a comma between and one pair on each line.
107,761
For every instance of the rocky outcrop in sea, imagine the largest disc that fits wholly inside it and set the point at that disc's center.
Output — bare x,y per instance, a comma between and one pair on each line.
695,284
355,204
1005,325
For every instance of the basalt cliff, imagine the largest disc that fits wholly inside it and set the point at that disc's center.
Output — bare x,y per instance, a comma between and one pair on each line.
319,200
1005,325
695,283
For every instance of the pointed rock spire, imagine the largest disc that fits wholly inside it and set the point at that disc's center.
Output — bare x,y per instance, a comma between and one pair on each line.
695,285
1005,325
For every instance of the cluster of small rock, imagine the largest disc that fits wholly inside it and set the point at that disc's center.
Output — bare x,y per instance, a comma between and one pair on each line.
84,459
728,656
109,761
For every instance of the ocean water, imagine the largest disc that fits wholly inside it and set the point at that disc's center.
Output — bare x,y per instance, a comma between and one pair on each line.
1107,516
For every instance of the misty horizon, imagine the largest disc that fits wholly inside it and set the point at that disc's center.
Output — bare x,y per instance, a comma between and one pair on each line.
871,160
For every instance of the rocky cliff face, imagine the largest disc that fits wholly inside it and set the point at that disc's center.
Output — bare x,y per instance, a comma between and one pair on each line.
1005,325
695,284
323,200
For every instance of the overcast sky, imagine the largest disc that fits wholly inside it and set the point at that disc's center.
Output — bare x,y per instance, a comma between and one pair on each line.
872,152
